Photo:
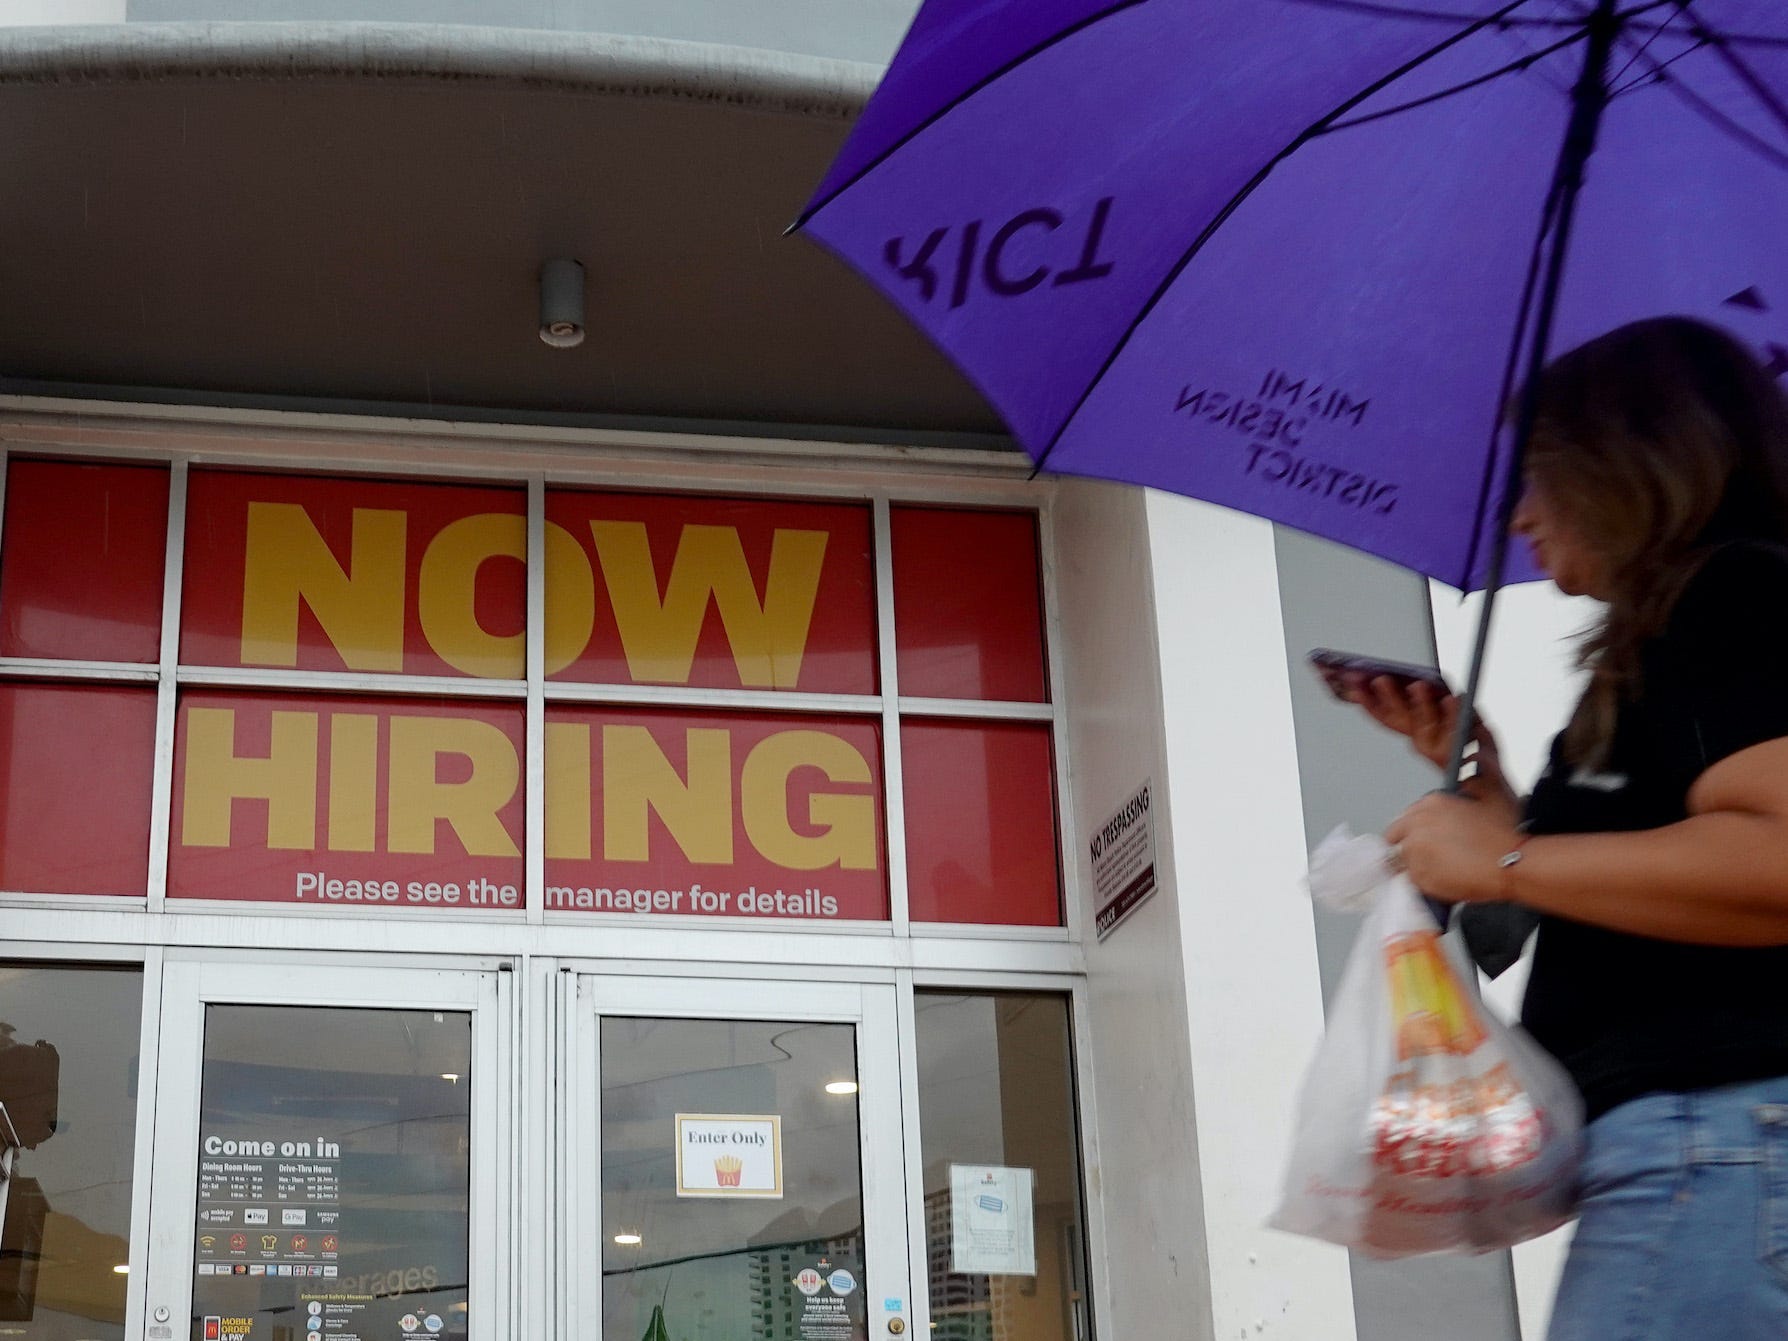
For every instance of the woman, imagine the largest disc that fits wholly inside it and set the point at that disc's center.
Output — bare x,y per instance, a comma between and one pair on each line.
1655,846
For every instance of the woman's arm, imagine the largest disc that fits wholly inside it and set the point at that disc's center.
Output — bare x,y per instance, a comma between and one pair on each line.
1719,877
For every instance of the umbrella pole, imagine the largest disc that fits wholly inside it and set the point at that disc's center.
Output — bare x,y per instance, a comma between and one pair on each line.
1588,100
1491,941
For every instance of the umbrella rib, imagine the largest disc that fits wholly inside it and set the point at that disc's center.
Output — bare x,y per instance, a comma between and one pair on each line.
1718,119
1730,38
993,76
1236,201
1654,74
1645,46
1759,89
1513,67
1376,7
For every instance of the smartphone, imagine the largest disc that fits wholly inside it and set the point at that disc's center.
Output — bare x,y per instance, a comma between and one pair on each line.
1335,668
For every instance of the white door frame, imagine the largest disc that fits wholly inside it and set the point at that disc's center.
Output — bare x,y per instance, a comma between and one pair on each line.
870,1007
191,984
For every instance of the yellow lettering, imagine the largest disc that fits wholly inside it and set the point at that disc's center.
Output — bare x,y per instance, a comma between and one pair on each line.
570,599
360,608
847,822
568,790
353,780
446,596
659,636
637,778
216,777
416,798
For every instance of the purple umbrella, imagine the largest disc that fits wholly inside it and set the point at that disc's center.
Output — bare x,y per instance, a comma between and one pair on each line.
1295,256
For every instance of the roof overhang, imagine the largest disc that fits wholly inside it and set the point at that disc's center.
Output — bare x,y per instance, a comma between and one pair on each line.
352,218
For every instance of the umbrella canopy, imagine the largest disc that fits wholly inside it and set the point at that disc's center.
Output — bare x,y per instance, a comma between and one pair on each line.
1295,256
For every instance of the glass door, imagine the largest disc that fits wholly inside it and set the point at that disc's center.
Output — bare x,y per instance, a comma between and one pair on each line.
745,1170
326,1154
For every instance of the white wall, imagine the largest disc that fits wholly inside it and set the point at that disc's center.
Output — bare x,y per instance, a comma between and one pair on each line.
31,13
1206,1004
1530,685
1154,1262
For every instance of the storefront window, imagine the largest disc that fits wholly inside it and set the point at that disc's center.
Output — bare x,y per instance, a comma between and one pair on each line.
709,593
347,803
774,818
82,561
75,783
334,1197
358,804
968,604
68,1073
732,1189
1005,1240
981,823
351,727
383,577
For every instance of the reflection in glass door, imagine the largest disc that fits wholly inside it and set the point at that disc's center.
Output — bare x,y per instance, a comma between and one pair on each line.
711,1231
334,1183
327,1185
748,1173
69,1036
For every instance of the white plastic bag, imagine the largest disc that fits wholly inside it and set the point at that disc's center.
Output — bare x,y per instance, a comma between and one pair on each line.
1425,1123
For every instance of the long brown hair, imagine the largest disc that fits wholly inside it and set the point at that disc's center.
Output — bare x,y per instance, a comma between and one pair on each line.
1658,443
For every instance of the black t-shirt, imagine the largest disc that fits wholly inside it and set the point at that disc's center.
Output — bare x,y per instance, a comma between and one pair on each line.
1630,1015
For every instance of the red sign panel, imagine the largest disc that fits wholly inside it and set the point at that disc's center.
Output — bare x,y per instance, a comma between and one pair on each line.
82,562
370,802
980,823
75,778
714,814
347,802
968,604
354,574
713,593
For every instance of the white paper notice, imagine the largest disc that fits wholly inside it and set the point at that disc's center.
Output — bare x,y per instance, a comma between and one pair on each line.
992,1231
729,1155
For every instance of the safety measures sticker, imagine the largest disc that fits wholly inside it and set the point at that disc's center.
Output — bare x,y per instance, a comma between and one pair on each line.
829,1308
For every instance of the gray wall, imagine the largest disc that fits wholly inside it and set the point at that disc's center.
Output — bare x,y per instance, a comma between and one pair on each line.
858,30
1354,773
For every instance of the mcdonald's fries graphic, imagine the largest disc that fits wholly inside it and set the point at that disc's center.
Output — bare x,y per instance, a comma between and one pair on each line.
727,1169
1428,1001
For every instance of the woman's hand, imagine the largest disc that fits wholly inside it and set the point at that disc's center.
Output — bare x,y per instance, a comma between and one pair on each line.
1428,719
1452,847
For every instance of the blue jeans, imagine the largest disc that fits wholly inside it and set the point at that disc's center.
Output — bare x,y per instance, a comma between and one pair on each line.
1684,1221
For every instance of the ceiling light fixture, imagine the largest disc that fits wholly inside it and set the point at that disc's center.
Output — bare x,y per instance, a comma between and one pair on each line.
841,1087
562,303
628,1240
